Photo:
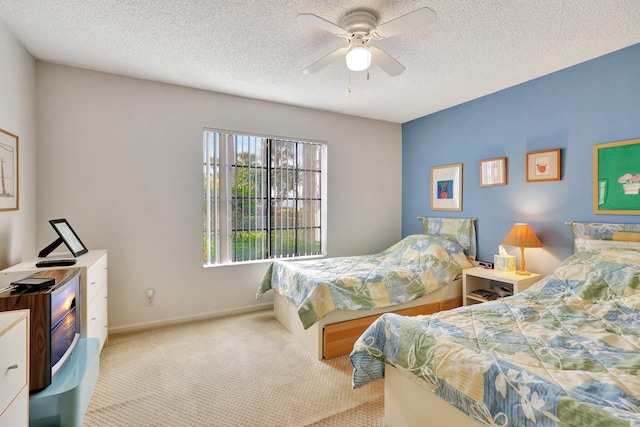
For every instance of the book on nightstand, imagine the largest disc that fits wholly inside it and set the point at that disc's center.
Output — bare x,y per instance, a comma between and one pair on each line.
484,294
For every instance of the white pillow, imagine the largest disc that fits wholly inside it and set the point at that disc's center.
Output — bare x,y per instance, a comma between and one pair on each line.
587,244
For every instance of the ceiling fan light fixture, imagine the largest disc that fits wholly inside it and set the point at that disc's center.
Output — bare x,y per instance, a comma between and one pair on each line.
358,58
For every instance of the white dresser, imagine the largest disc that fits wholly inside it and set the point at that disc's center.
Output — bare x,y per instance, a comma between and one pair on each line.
93,290
14,368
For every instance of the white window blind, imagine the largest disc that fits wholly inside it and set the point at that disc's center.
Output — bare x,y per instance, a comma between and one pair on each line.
263,198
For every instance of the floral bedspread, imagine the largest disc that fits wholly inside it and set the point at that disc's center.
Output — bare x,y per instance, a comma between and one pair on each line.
564,353
415,266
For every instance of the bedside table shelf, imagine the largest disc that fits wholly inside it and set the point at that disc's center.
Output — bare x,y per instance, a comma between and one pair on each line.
478,278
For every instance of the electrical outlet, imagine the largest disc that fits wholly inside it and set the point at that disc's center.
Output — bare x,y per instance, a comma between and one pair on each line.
150,294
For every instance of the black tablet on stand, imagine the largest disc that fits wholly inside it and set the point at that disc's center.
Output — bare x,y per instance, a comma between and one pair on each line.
66,236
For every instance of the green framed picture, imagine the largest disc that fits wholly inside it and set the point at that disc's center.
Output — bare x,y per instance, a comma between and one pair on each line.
616,178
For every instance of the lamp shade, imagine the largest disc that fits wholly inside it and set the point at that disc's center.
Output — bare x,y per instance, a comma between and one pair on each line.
522,236
358,58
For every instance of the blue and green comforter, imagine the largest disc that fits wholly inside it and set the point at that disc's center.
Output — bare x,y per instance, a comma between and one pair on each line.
415,266
564,353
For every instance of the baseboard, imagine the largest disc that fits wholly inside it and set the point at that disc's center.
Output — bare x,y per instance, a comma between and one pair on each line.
184,319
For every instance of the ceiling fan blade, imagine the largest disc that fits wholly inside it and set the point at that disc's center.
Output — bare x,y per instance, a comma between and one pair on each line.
321,23
325,60
386,61
406,23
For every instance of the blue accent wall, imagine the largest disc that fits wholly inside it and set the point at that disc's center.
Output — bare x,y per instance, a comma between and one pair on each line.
574,109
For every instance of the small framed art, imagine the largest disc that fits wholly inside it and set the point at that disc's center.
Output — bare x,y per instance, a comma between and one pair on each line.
616,178
543,165
8,171
446,188
493,172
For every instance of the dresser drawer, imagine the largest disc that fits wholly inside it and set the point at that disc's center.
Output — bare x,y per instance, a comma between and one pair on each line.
13,363
97,317
96,277
18,413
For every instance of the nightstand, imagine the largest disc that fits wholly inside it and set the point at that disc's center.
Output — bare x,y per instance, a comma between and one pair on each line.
478,278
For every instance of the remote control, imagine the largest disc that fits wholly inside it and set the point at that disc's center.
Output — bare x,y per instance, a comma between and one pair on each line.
55,262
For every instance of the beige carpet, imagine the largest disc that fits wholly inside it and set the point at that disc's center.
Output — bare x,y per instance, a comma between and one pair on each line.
244,370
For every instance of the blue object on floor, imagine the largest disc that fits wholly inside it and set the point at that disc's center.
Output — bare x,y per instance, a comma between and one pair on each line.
65,401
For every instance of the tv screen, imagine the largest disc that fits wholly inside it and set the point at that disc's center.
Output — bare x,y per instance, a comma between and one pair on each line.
64,321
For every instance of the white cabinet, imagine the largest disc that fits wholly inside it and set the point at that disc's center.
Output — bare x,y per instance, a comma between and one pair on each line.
93,290
14,368
94,285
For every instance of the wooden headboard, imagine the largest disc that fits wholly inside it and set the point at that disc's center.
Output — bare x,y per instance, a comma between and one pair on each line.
626,236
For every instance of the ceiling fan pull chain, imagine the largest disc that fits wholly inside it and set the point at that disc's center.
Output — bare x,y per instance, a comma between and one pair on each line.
349,81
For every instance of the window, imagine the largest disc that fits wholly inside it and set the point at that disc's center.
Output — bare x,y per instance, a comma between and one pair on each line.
263,198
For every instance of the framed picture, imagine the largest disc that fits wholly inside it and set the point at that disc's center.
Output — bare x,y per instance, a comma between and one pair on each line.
493,172
446,188
8,171
616,178
543,165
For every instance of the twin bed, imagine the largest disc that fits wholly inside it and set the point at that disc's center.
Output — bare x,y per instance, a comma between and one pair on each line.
565,352
327,303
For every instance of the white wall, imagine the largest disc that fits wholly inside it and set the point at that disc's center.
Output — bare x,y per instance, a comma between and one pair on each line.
121,158
17,115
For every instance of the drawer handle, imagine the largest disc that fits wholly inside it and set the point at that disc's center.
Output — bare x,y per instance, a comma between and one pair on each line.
12,367
93,283
93,318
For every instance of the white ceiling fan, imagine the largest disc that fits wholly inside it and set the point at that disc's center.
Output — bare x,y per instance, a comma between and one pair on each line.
358,27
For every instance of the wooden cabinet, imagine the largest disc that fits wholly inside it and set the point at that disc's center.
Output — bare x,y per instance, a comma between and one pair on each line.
480,278
14,368
93,290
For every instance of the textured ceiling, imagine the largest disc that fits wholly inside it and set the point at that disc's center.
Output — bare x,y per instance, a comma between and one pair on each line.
258,49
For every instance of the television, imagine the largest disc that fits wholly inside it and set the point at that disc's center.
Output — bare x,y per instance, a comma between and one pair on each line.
55,322
65,322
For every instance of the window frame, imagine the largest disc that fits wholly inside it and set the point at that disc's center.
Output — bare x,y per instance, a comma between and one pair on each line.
218,199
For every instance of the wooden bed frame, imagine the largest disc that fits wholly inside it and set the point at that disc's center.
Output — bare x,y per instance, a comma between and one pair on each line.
408,403
335,334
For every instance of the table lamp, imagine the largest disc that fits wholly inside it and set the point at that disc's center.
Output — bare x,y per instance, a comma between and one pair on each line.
522,235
